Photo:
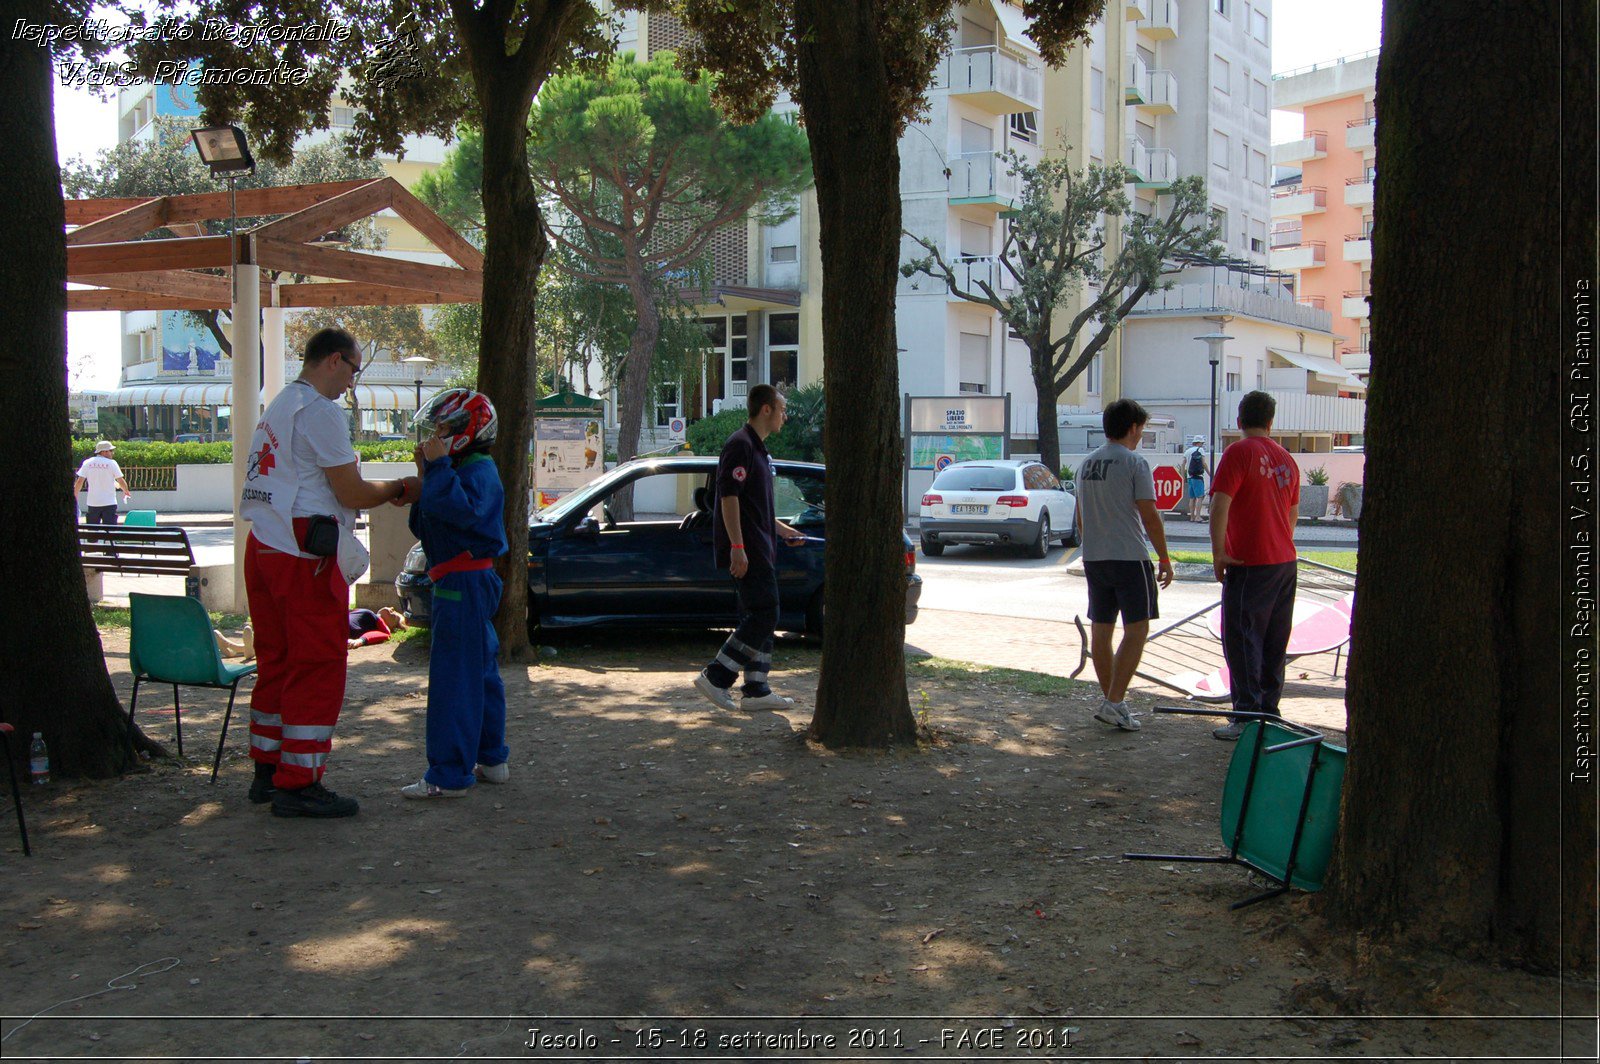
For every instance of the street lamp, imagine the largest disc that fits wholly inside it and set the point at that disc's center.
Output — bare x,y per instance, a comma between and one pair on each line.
1214,342
419,365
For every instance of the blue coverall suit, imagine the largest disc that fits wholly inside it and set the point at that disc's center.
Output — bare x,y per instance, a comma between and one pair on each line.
462,509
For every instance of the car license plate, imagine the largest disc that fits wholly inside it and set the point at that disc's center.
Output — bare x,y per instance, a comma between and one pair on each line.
968,508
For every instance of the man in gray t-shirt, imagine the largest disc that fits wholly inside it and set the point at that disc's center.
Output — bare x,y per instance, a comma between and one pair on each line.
1116,510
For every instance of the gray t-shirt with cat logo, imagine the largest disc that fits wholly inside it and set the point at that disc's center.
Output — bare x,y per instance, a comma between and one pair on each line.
1110,483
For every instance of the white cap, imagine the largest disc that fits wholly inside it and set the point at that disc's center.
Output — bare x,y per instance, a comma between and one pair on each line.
1197,439
104,445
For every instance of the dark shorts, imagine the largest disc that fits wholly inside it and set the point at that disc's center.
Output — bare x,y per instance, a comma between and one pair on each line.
1124,587
102,515
1197,487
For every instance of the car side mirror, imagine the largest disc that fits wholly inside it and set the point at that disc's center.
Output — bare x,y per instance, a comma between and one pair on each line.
589,527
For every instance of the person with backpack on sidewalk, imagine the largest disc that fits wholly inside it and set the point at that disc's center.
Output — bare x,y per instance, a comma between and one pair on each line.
1116,511
1195,472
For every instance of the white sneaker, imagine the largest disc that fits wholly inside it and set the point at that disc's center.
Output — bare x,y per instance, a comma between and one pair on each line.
423,789
720,697
1116,714
500,773
770,700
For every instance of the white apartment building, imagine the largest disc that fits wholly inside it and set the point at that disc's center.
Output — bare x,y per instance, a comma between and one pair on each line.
174,377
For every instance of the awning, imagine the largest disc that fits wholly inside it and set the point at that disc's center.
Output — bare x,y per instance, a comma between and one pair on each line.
1014,25
220,393
1326,370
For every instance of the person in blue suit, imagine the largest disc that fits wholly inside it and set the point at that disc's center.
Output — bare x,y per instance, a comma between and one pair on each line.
460,518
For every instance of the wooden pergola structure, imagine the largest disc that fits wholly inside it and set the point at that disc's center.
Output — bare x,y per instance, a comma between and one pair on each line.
107,250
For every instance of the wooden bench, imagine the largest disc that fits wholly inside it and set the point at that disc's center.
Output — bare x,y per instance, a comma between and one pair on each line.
159,551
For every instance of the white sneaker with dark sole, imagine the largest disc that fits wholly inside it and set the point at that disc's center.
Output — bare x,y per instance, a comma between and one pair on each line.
500,773
770,700
424,789
720,697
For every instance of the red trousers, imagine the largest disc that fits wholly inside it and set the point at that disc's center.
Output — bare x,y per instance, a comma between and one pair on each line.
300,610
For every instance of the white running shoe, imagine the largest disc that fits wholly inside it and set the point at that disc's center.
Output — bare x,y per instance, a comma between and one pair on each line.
720,697
1116,714
500,773
770,700
424,789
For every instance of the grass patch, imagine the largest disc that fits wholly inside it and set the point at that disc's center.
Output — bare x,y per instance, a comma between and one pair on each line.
417,632
122,617
1034,683
1339,559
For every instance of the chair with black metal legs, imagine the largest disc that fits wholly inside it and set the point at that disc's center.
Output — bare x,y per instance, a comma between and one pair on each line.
1280,803
16,789
172,643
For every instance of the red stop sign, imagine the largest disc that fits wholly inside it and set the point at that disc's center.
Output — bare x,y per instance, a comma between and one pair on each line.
1169,487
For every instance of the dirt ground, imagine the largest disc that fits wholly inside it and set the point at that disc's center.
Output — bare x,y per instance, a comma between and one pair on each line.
663,879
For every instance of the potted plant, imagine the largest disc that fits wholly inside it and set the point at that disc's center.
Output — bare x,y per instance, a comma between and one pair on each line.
1314,493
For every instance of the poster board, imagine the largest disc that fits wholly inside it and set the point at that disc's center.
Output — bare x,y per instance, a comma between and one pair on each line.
941,430
568,445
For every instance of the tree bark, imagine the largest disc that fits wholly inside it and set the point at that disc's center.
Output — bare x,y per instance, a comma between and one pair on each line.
514,250
51,658
844,96
633,390
1044,386
1451,831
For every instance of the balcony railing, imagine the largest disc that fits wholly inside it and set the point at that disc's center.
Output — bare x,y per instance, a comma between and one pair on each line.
1314,145
994,79
1360,134
1160,21
1302,256
1162,164
983,176
1358,247
986,268
1285,238
1291,200
1358,191
374,373
1354,305
1136,79
1299,412
1187,298
1162,97
1316,302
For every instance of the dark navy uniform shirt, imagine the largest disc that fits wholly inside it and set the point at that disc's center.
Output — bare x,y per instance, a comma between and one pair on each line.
745,472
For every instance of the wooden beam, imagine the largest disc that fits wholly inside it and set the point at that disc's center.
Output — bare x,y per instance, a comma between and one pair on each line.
121,299
434,228
124,225
185,284
173,253
350,294
370,269
210,206
330,214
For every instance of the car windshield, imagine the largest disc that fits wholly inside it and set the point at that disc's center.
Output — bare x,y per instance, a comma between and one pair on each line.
976,478
584,497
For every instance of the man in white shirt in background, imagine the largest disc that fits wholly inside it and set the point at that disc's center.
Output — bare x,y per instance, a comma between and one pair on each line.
302,466
103,476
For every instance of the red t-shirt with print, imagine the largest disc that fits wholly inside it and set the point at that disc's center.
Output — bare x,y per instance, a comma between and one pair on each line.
1264,484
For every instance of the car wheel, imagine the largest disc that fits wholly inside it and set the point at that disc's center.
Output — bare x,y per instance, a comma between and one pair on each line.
816,614
932,549
1042,546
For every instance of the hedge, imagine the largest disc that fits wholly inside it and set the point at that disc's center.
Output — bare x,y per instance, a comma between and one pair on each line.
166,455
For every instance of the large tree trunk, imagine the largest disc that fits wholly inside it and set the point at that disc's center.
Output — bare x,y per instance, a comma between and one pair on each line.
51,657
514,250
1452,830
633,390
844,95
1044,386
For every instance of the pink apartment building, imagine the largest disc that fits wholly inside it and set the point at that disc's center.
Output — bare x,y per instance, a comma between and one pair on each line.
1322,221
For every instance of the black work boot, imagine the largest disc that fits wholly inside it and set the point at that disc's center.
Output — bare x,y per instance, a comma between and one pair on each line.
314,801
261,789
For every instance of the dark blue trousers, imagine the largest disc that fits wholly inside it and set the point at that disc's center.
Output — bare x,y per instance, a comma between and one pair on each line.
1257,613
466,698
749,648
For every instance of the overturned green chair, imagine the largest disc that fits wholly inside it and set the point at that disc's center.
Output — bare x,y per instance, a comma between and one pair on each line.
172,643
1280,803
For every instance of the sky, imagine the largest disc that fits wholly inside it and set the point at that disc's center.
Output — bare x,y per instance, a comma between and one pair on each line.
1304,32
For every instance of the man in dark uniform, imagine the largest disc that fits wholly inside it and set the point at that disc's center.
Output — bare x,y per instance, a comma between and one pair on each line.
744,536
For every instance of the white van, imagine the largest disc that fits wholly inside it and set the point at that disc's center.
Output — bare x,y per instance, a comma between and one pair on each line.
1082,433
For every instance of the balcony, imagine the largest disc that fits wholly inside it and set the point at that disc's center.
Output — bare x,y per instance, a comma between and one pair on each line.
1160,169
1299,412
1316,302
993,80
1160,93
1360,134
1313,145
1357,362
970,270
981,179
1358,192
1158,19
1135,79
1187,299
1291,201
1357,248
1354,306
1303,256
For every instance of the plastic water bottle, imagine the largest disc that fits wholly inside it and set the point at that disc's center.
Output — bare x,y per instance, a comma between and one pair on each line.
39,760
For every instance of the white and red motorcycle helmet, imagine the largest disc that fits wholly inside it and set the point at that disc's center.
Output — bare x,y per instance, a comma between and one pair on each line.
462,417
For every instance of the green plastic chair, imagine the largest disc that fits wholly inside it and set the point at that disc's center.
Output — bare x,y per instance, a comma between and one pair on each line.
1280,803
140,519
172,643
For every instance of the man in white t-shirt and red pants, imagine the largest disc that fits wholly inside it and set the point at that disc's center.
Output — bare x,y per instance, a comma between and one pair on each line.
103,477
302,466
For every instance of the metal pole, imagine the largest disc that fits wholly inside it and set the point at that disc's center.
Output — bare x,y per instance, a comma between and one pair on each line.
1213,440
419,409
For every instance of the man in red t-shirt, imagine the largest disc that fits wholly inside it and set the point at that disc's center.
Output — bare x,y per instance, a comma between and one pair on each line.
1254,497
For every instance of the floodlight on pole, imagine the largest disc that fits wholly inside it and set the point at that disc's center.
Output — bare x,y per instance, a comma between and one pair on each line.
419,365
1214,342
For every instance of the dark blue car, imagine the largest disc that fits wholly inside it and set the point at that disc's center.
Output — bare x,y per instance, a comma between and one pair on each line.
633,549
